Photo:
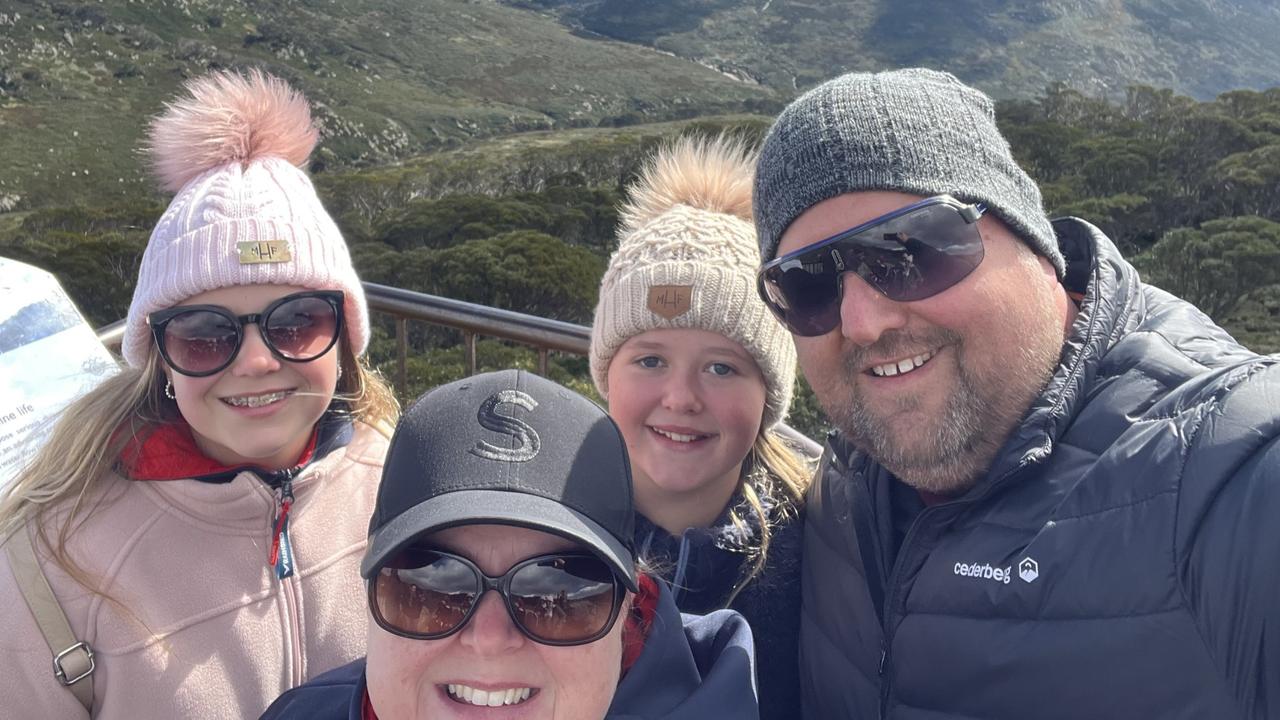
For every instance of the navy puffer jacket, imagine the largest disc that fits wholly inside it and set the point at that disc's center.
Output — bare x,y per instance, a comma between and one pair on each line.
691,668
704,565
1120,559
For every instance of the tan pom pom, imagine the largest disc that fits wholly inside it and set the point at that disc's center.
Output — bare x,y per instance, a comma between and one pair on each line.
707,174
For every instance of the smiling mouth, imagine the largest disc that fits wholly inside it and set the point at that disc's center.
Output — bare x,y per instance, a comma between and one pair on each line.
257,401
488,698
678,437
903,366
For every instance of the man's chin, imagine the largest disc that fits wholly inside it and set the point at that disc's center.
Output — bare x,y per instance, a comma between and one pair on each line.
939,476
939,468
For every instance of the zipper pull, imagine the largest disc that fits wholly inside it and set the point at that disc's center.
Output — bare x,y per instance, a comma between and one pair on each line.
281,557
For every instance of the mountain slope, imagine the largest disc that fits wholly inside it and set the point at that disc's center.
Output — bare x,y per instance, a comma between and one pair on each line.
387,79
1011,48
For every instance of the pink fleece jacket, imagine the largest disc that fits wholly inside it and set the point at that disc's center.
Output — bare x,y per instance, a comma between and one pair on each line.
208,630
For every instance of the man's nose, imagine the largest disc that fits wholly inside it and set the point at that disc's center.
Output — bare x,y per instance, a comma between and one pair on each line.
865,313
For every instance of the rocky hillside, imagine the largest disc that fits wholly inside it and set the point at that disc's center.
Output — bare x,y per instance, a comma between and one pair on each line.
388,79
391,79
1011,48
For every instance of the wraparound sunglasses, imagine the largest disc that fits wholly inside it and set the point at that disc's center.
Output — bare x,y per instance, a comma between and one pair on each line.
909,254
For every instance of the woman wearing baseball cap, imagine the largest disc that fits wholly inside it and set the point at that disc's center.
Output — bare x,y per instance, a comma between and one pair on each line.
502,580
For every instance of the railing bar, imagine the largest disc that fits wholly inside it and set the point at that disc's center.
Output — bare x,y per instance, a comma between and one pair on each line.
465,316
375,290
526,334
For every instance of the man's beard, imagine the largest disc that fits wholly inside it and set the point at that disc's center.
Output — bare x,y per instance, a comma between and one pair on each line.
984,405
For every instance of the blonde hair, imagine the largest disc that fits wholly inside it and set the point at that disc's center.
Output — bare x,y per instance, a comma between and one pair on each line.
120,412
779,473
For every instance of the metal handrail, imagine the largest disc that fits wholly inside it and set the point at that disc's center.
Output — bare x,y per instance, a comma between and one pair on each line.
473,320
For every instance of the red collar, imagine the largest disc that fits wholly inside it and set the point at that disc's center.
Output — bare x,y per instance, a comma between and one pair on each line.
169,452
644,606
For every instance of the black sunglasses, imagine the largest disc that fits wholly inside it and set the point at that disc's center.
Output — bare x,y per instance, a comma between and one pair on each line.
909,254
200,340
557,599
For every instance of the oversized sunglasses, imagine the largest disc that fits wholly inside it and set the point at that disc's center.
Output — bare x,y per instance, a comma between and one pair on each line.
200,340
558,599
909,254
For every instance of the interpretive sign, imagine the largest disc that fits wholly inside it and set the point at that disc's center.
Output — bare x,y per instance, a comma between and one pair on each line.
49,356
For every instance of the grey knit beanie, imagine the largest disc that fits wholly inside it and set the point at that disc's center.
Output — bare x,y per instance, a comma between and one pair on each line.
916,131
686,258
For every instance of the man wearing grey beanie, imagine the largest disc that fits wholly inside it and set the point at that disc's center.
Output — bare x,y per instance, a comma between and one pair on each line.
1052,491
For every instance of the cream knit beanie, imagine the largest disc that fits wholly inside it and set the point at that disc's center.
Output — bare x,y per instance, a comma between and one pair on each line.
687,258
245,212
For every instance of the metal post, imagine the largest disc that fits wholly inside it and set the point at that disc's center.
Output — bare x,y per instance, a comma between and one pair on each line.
469,351
402,355
542,361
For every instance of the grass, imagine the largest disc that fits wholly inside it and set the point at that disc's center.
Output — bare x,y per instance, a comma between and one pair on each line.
387,80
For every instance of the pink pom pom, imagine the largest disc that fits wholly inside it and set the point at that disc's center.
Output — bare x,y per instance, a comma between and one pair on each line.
228,117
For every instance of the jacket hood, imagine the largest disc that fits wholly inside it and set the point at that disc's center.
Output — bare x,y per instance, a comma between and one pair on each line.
692,668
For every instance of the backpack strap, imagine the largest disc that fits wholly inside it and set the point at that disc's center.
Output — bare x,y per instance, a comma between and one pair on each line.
73,663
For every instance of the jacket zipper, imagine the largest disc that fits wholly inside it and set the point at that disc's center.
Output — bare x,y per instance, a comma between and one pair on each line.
281,560
293,630
890,610
281,556
891,588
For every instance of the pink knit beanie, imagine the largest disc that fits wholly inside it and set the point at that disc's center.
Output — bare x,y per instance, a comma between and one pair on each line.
245,213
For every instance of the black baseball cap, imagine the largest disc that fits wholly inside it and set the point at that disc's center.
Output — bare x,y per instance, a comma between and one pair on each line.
508,448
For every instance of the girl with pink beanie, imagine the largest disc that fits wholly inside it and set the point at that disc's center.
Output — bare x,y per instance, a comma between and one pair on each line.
698,376
187,542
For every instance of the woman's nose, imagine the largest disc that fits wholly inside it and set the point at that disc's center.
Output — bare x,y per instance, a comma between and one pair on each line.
490,630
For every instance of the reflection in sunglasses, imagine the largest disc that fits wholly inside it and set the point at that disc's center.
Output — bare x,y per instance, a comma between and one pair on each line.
555,599
909,254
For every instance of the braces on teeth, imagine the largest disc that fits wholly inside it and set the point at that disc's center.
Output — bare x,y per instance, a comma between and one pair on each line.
256,400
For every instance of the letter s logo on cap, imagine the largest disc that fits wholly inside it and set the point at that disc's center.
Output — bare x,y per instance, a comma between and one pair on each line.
489,419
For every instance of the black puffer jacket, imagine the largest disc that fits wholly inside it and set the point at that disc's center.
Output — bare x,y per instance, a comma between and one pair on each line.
1120,559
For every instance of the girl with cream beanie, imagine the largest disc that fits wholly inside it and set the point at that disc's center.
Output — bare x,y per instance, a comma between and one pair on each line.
199,517
698,375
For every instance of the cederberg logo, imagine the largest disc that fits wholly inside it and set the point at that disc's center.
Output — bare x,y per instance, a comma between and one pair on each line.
1028,569
984,571
527,437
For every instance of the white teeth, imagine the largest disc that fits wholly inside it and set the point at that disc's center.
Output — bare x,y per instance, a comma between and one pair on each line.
489,698
253,401
902,366
678,437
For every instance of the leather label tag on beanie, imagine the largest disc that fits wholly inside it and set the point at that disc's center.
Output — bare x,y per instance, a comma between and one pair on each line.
264,251
670,301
